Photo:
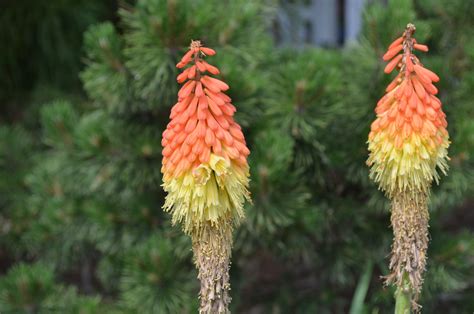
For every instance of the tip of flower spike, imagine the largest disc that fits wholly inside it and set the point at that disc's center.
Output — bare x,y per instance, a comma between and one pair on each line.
401,43
194,47
400,52
408,141
410,28
195,44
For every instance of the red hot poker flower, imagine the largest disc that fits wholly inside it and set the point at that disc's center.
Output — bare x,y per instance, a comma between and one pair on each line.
205,172
408,141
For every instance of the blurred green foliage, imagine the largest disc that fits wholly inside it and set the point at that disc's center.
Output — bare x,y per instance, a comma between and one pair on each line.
81,225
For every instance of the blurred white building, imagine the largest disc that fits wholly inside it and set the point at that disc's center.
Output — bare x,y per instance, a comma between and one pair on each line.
327,23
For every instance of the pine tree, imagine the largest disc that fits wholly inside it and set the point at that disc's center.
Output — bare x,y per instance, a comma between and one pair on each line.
42,52
85,198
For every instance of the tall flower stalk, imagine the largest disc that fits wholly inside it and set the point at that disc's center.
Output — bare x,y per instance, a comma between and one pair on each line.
408,144
205,173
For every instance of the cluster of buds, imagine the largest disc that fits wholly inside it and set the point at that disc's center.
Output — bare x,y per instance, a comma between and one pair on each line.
205,172
408,143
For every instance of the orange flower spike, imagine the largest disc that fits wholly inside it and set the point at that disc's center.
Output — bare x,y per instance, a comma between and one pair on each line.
205,172
408,145
411,88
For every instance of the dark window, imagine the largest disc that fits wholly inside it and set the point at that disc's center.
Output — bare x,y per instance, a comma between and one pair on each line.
308,32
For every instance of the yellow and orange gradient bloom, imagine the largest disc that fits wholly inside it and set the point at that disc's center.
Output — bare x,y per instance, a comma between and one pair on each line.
408,145
205,173
205,170
408,140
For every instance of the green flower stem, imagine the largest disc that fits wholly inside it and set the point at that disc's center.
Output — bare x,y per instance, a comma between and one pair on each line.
403,298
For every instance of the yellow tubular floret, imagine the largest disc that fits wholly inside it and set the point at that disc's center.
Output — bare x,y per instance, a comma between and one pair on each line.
411,167
212,192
